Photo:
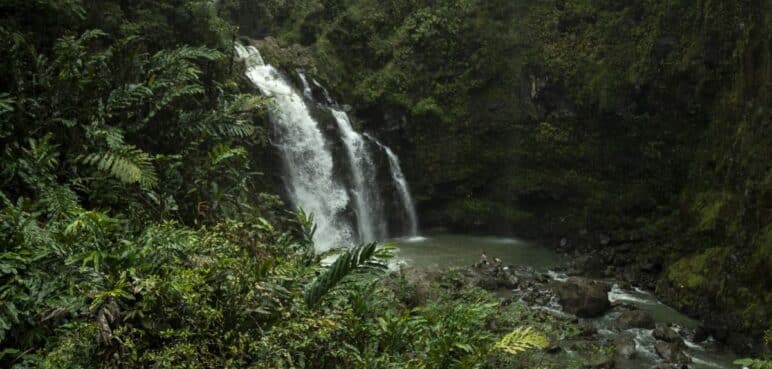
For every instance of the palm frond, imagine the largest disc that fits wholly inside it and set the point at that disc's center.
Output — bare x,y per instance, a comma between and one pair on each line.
360,257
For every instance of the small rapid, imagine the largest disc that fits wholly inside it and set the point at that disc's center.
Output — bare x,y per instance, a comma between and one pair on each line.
539,268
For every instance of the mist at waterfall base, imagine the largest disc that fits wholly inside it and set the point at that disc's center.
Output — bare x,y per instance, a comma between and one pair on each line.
348,209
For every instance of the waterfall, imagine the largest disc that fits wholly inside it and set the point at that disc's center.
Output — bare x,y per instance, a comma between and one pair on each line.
308,161
367,200
306,87
324,91
310,164
250,55
402,188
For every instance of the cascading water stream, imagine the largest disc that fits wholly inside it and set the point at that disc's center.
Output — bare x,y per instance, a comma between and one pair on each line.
306,87
310,165
367,200
308,161
402,188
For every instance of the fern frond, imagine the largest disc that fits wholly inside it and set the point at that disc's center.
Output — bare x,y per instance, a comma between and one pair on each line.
60,201
113,136
6,103
522,339
128,164
217,125
360,257
223,152
127,96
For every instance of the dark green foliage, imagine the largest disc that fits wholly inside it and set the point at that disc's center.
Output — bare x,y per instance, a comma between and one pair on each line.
357,258
137,229
754,364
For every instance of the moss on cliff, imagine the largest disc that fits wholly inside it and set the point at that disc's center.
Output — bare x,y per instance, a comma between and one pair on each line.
695,272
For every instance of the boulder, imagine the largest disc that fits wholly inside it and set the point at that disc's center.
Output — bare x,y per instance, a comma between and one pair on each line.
582,297
604,363
625,345
491,278
672,352
667,334
701,334
587,329
589,265
634,319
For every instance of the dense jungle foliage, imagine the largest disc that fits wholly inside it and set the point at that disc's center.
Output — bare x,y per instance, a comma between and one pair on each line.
140,224
137,230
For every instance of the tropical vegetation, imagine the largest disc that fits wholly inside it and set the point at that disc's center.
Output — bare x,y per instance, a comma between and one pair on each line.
141,217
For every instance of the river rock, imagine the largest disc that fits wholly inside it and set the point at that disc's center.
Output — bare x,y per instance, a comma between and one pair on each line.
587,329
589,265
625,345
604,363
491,278
672,352
634,319
701,334
670,366
667,334
582,297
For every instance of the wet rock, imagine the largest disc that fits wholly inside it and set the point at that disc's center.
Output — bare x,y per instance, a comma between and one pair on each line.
553,348
624,248
701,334
587,329
665,333
582,297
589,265
634,319
607,363
491,278
672,352
610,271
670,366
625,345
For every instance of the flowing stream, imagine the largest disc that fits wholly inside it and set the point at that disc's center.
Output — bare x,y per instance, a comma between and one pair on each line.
444,251
312,168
